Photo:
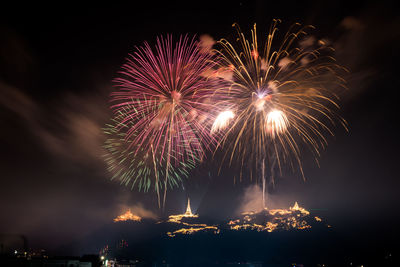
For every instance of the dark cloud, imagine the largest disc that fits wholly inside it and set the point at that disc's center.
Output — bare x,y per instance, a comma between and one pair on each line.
71,128
365,42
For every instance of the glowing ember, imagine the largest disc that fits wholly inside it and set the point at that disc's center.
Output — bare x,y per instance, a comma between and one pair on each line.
128,216
222,121
276,122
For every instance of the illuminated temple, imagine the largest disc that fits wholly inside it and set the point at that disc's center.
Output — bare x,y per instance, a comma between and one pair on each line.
188,212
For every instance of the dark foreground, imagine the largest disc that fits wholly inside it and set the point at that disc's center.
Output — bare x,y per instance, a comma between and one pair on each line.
145,244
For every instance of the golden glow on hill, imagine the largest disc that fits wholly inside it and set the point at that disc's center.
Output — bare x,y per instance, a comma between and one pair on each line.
128,216
291,210
285,219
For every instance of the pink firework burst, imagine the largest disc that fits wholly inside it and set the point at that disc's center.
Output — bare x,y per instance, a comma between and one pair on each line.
164,96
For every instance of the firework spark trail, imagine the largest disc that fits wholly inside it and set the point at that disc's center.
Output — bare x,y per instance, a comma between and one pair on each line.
162,104
279,97
133,165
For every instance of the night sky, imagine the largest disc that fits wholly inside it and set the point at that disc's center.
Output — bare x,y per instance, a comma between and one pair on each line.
56,69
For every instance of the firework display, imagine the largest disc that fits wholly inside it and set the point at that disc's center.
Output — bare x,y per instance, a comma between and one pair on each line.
278,100
161,104
262,102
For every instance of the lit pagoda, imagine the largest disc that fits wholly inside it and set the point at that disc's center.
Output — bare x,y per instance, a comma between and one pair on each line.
177,218
188,212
